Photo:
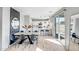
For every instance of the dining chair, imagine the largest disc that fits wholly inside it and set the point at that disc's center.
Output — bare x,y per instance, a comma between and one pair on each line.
41,32
34,38
13,38
20,41
16,43
75,36
46,32
26,43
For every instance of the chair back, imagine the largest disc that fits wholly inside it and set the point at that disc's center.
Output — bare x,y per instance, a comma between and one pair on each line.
74,35
33,37
22,37
13,37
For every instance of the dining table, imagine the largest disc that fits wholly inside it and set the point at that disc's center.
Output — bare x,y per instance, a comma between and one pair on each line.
28,34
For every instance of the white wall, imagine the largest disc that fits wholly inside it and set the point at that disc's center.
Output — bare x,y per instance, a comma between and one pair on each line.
75,22
53,26
5,27
0,28
21,21
77,26
30,20
27,20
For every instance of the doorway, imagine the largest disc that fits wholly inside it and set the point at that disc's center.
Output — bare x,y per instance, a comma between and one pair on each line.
74,31
60,28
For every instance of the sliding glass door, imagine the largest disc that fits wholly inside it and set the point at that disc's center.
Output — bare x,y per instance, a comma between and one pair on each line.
60,28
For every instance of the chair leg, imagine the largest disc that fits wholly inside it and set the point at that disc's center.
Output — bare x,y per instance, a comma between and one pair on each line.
15,45
36,42
18,45
25,45
29,45
74,40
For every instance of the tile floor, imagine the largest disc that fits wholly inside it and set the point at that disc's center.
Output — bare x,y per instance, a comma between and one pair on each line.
73,46
45,43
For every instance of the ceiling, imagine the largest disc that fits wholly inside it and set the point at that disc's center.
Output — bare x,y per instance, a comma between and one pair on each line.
38,12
